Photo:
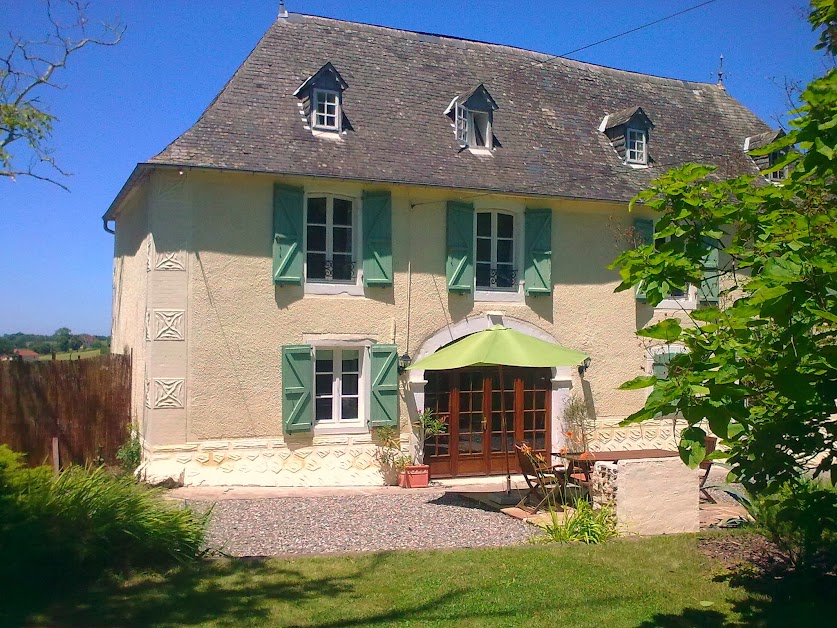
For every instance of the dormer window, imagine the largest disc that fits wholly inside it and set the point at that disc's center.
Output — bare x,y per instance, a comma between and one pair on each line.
326,110
769,160
628,131
321,102
473,117
636,146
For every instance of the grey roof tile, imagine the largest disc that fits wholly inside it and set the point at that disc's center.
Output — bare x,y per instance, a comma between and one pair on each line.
400,84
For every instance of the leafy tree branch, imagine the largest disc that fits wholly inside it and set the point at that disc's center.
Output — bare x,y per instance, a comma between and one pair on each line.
26,69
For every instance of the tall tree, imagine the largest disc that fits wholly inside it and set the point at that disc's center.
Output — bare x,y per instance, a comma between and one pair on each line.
762,368
27,69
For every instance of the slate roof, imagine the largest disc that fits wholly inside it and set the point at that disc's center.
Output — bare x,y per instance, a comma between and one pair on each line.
763,139
401,83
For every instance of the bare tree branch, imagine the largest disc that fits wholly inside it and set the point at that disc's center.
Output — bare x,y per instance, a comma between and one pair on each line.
31,65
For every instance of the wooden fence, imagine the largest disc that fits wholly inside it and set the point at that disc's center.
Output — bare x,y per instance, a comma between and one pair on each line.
86,404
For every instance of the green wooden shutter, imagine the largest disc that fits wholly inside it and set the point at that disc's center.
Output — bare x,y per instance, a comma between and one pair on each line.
288,226
644,231
460,236
537,273
384,406
297,389
709,289
661,363
377,239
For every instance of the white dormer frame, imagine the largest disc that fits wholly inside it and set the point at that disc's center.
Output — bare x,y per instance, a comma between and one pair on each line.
462,125
636,146
327,96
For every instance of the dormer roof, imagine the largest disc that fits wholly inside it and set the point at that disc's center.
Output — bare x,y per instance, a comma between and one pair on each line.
762,139
327,77
629,116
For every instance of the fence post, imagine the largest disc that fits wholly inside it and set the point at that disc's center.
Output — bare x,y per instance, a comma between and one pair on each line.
56,463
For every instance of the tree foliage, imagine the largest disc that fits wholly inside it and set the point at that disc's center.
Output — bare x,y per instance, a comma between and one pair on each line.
762,368
29,66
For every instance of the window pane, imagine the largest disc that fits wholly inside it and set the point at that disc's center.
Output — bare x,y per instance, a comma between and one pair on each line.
323,383
350,384
504,251
483,250
342,242
350,361
484,224
483,275
317,210
316,238
316,266
342,211
505,276
325,361
350,407
505,226
342,267
323,412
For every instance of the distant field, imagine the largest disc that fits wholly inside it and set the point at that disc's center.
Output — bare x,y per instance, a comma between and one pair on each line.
74,355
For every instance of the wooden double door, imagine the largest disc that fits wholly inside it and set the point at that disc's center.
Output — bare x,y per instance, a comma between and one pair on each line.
472,399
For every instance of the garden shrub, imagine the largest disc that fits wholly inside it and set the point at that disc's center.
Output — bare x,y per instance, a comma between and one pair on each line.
801,519
584,524
130,454
86,521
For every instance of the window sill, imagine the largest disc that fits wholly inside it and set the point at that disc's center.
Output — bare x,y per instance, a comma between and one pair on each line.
334,288
331,430
499,296
677,304
481,151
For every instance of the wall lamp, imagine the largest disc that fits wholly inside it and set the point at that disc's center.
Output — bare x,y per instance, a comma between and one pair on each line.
403,362
582,368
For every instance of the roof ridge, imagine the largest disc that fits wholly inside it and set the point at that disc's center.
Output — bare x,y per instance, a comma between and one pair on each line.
546,57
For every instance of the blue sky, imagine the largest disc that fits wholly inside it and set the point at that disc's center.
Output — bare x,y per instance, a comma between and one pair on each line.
123,105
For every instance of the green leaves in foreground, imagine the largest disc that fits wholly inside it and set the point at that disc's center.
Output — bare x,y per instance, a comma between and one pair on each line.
760,367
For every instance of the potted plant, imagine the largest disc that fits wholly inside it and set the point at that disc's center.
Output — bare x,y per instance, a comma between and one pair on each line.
417,474
389,454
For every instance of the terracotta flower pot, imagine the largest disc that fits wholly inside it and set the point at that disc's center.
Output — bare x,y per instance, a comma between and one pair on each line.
415,476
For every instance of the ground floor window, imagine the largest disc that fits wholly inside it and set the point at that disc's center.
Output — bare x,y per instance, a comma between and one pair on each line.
337,399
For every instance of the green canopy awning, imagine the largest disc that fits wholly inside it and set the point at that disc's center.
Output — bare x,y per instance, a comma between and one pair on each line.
499,345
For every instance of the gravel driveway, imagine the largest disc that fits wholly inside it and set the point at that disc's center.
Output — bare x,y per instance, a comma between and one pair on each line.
356,523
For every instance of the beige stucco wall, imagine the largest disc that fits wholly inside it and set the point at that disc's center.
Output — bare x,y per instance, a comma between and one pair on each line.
130,287
236,321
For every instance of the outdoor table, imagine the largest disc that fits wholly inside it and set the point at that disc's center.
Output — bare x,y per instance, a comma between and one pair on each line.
615,456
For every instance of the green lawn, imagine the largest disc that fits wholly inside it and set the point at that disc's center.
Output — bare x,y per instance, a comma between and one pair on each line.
73,355
662,581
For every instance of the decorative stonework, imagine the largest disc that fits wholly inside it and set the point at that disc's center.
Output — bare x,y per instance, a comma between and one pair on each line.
147,394
171,260
265,463
147,324
149,253
660,434
169,324
168,392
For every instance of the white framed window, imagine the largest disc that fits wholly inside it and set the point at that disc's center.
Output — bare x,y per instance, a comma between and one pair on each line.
331,236
659,358
779,175
679,298
340,385
636,146
495,251
473,128
326,110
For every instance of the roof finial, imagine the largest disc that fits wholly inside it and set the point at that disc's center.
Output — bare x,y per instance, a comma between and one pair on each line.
721,73
283,12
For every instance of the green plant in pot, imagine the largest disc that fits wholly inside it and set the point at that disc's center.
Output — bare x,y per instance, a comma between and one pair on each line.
416,474
389,455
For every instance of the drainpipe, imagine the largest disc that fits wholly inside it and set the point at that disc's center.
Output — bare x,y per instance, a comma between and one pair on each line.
106,228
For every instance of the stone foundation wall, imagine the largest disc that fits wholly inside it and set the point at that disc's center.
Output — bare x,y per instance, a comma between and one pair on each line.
339,461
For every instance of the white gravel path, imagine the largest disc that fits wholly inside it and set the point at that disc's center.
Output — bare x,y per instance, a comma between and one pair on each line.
358,523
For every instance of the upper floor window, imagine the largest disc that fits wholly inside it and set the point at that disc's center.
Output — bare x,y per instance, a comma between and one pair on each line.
326,110
495,251
321,102
777,175
636,149
473,118
628,131
330,234
754,145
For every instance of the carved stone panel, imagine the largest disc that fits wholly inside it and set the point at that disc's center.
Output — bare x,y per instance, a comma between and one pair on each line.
169,324
170,260
168,392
